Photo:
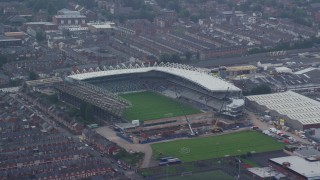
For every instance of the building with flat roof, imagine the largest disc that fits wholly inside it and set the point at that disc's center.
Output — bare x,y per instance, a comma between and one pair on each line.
297,167
298,111
9,42
101,26
240,70
45,26
37,85
18,35
264,173
69,19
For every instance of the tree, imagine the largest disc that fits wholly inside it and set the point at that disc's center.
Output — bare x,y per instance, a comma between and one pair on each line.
40,36
183,13
72,112
53,98
3,60
261,89
198,55
175,58
33,75
108,15
50,5
66,32
86,112
83,106
89,113
188,55
165,58
87,3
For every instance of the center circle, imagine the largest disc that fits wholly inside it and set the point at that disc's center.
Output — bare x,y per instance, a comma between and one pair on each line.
185,150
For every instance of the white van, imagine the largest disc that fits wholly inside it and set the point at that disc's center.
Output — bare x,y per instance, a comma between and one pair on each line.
273,130
292,139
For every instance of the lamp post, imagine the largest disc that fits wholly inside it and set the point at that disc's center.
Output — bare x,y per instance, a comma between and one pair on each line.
239,164
167,171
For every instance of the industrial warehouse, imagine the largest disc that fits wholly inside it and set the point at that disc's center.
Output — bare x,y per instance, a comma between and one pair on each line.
298,111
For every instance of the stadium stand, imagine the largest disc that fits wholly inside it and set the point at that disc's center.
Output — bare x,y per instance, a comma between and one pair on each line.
177,81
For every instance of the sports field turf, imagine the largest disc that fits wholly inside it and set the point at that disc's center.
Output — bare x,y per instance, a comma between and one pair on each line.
149,105
217,146
204,176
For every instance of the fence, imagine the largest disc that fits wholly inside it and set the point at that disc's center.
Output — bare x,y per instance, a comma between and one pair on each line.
125,137
165,138
227,165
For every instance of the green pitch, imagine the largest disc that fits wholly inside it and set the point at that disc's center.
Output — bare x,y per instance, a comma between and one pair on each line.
204,176
149,105
217,146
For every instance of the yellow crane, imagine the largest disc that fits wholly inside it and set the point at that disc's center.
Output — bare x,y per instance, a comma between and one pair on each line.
216,128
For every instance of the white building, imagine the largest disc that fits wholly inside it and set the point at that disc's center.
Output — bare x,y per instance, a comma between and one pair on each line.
298,167
300,112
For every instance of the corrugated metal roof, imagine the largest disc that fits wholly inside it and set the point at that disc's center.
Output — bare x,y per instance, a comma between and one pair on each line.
203,79
291,104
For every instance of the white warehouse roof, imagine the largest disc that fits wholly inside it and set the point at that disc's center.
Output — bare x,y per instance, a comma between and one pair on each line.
291,104
195,75
310,170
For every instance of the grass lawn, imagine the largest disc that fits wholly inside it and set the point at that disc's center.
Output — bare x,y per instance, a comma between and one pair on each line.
149,105
217,146
204,176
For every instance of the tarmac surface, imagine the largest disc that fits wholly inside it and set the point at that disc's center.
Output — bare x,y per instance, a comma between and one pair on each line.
110,134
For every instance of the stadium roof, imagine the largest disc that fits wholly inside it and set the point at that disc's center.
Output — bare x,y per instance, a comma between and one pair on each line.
300,165
193,74
291,104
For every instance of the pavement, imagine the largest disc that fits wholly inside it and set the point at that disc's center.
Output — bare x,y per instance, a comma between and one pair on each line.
110,134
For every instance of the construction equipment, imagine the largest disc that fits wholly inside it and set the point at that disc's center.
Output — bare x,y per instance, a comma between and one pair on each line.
216,128
192,133
277,125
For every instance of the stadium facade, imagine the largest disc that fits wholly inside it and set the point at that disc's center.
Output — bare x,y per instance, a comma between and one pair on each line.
182,82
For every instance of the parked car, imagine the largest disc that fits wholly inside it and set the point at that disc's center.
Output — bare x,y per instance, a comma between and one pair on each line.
303,136
254,128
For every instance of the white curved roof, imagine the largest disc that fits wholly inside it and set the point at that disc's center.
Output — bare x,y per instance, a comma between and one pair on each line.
201,78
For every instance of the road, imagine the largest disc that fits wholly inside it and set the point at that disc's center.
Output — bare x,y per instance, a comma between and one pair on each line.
251,59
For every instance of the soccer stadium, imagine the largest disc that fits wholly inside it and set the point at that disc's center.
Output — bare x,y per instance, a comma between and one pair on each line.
159,96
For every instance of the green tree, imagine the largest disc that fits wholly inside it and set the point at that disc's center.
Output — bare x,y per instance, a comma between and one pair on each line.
40,36
72,112
89,113
261,89
165,58
53,98
33,75
83,106
175,58
86,112
108,15
198,55
183,13
3,60
188,55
